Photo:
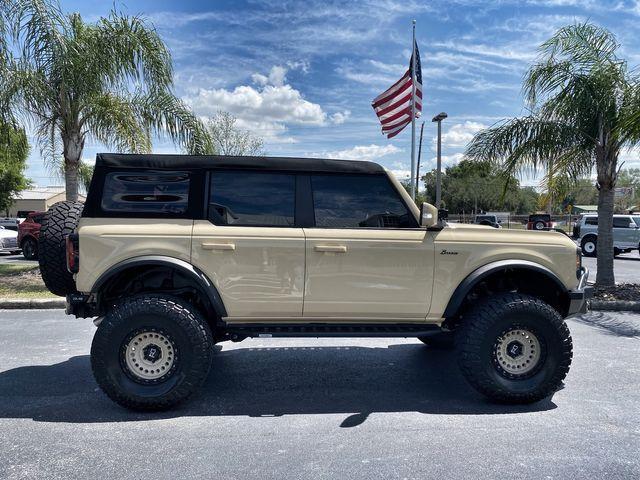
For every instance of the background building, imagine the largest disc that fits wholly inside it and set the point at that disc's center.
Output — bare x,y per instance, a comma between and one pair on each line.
37,199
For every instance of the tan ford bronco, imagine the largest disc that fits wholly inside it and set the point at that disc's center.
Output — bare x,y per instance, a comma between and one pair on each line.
175,253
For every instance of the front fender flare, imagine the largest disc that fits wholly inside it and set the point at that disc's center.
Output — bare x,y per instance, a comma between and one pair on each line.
463,289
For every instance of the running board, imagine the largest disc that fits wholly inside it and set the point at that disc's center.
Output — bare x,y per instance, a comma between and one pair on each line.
244,330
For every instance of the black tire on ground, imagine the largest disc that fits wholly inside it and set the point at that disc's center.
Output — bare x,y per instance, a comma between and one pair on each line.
174,324
505,320
589,246
30,249
58,222
444,340
616,251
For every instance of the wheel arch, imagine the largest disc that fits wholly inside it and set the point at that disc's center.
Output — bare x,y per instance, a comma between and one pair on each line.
520,274
26,237
154,267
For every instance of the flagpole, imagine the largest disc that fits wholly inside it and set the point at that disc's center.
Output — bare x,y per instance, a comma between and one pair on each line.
413,113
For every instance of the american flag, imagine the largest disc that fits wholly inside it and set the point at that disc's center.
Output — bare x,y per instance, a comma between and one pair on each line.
393,106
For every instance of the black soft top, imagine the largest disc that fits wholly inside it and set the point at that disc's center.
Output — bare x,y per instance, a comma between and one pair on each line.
119,160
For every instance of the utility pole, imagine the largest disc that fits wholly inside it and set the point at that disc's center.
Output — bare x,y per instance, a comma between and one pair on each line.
413,114
419,155
438,118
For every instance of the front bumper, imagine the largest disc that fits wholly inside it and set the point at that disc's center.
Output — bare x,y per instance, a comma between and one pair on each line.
578,297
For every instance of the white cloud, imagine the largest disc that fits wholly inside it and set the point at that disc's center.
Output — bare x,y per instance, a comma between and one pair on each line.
460,134
277,77
339,118
266,108
630,157
363,152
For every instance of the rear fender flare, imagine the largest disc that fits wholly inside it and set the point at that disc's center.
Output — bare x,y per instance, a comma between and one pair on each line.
184,267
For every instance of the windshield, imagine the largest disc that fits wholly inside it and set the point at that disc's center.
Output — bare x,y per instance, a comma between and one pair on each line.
637,220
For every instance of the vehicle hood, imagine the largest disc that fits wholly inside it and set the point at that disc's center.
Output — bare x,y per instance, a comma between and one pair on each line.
484,233
6,233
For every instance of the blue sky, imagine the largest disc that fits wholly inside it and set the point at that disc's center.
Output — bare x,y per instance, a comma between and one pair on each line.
302,74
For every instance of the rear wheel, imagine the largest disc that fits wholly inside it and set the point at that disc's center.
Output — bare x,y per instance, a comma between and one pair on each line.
514,348
589,246
151,353
58,222
30,249
539,225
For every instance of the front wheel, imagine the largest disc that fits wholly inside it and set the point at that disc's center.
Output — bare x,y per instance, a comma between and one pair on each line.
151,353
514,348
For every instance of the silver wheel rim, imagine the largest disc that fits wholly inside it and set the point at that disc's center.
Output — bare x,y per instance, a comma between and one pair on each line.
150,355
589,247
517,352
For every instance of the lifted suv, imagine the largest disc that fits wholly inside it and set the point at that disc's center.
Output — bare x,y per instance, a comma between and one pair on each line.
173,254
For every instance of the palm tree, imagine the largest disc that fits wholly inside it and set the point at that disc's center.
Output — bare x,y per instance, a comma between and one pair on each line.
585,109
109,81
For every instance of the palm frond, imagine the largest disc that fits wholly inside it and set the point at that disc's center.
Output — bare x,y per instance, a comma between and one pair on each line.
166,114
40,25
114,120
128,48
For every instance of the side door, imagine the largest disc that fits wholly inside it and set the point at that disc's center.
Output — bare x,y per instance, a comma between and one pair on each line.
624,232
367,257
250,246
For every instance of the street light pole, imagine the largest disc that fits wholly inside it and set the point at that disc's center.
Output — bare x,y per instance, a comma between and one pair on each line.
438,118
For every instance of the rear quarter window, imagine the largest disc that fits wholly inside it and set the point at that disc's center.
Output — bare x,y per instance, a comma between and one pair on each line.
165,193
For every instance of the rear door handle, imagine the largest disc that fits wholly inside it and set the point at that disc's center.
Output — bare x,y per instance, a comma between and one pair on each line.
331,248
218,246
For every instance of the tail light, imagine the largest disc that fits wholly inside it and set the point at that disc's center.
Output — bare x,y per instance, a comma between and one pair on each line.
72,253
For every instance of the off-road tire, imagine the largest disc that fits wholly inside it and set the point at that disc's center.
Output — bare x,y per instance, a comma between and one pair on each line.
441,341
58,222
480,332
539,225
193,351
587,239
30,249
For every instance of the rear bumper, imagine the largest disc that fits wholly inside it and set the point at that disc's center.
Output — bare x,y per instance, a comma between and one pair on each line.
579,296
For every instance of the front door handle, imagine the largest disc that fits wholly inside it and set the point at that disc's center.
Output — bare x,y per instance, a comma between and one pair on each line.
218,246
331,248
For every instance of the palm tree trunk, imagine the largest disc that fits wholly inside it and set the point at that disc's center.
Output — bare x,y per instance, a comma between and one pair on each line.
73,146
605,276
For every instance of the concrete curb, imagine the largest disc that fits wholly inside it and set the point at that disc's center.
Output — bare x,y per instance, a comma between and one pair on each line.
614,305
31,303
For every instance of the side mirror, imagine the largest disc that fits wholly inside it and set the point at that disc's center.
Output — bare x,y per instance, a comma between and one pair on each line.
428,215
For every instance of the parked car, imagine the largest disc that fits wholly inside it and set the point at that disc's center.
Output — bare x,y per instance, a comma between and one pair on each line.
28,232
10,223
539,221
8,241
626,234
172,254
490,220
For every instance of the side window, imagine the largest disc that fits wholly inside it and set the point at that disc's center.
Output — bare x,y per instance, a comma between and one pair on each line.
621,222
591,221
146,192
358,201
247,198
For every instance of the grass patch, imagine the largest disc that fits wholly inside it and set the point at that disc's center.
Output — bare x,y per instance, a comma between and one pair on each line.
22,281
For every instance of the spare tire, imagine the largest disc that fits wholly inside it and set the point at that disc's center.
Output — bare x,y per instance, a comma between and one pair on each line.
58,222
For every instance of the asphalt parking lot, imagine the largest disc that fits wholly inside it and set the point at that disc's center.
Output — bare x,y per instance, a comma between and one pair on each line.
626,267
307,408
